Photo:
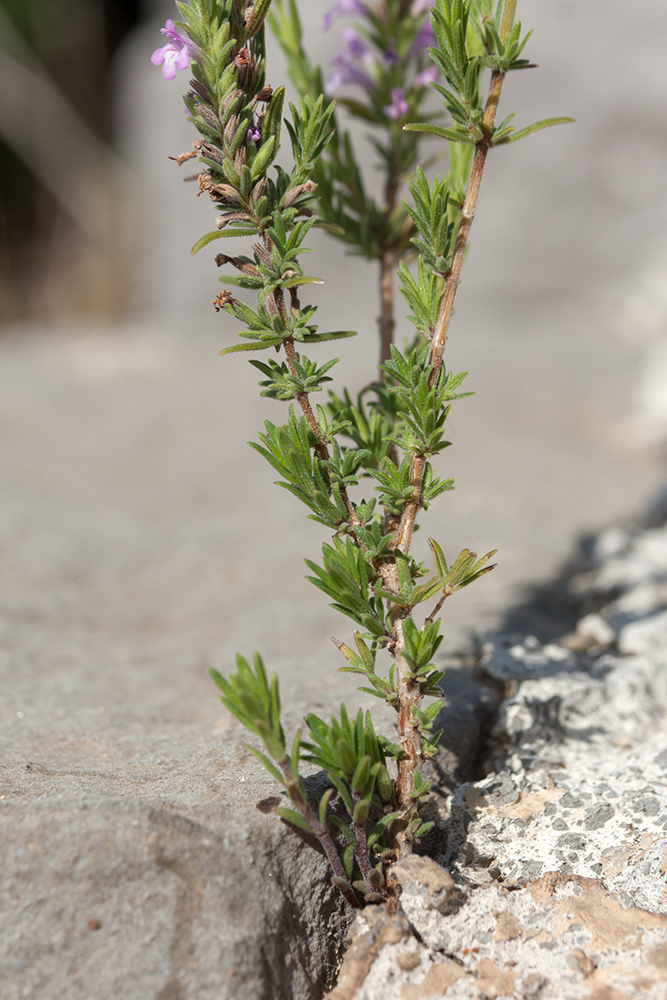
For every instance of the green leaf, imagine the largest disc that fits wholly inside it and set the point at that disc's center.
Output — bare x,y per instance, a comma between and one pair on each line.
271,768
255,346
324,802
221,234
294,756
301,279
529,129
204,240
381,826
318,338
423,829
361,811
451,134
439,558
360,776
263,158
295,818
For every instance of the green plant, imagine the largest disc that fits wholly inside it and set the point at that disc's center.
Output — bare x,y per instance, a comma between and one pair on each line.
388,438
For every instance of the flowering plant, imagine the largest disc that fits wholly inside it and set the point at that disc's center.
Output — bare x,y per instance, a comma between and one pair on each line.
176,54
395,53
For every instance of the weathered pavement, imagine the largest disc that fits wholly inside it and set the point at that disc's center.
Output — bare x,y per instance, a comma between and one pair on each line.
141,542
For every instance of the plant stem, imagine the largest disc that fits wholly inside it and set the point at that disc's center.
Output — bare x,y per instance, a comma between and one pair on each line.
439,339
409,737
409,693
386,320
303,400
320,444
300,802
387,258
361,845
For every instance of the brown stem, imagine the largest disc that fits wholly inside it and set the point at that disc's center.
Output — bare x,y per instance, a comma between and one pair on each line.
387,258
445,594
386,321
409,693
439,339
409,737
303,400
361,851
294,790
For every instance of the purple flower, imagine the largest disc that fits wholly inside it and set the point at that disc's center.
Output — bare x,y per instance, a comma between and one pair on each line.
176,54
254,134
427,76
420,6
361,66
346,72
398,106
424,37
343,8
355,45
391,56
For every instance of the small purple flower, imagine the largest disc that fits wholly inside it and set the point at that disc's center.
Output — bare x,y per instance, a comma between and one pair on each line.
254,134
344,8
427,76
346,72
355,45
391,56
176,54
346,68
398,106
424,37
420,6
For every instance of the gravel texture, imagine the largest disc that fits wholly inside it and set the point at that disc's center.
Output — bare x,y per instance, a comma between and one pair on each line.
552,881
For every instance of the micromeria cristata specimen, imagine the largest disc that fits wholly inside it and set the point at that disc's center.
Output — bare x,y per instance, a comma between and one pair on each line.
395,52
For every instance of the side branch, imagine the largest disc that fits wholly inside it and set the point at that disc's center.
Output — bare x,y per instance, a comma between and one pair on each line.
303,400
386,321
409,691
301,804
439,339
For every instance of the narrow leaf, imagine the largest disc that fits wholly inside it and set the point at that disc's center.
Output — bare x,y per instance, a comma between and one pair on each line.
529,129
293,817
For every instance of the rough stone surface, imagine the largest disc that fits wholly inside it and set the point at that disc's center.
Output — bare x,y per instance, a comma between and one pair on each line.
552,882
582,790
559,938
105,896
128,497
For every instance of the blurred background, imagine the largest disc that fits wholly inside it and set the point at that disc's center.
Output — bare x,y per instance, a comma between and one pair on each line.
60,171
128,492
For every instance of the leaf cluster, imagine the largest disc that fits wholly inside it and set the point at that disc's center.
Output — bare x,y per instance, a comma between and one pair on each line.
352,212
287,381
290,450
347,575
465,569
354,759
425,406
255,702
472,35
429,210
